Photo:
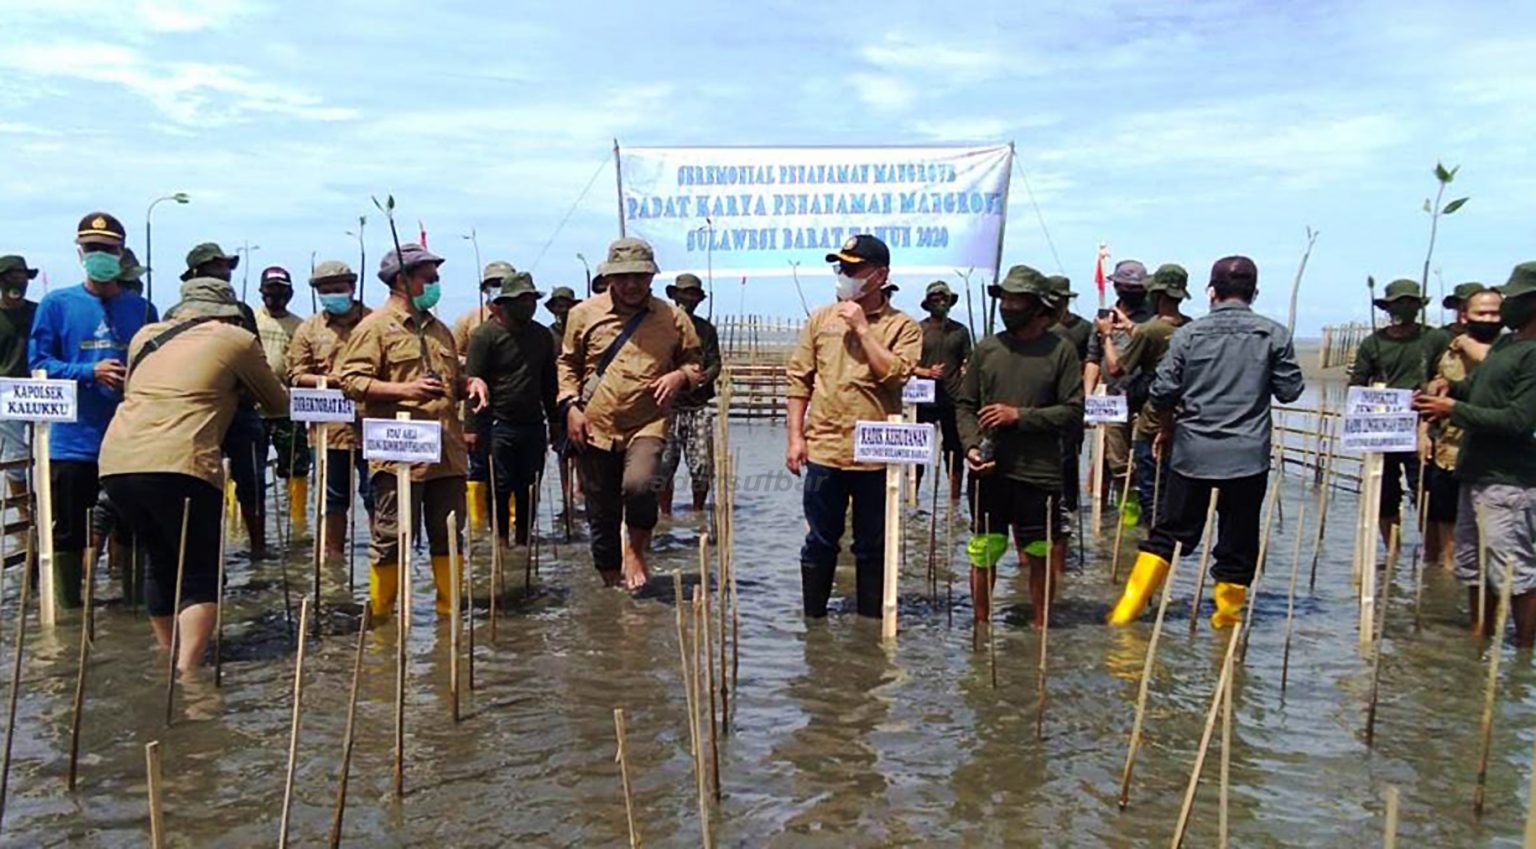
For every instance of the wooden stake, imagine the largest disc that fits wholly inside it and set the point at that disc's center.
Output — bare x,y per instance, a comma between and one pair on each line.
469,593
892,572
1045,627
1224,795
293,727
1205,559
351,519
1381,633
218,607
1482,576
1322,510
1258,572
349,735
21,643
1389,839
949,563
1370,529
621,756
319,546
1205,739
1530,814
42,513
1125,492
85,659
1290,601
704,778
1096,472
495,511
709,663
156,806
682,648
181,568
456,611
1146,678
933,529
1495,653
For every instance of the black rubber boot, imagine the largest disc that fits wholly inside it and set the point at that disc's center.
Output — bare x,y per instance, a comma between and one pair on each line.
816,587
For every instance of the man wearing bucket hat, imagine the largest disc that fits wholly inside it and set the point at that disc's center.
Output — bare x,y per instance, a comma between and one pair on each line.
131,277
627,358
1496,408
1456,302
1402,355
559,304
1113,332
515,356
1212,395
160,460
16,313
1169,288
1023,387
311,358
691,430
850,364
81,333
946,347
479,443
401,359
275,327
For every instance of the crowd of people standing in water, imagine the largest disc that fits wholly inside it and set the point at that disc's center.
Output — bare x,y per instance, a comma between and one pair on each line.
619,386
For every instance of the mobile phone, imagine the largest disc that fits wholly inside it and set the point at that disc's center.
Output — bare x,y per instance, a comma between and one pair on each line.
1105,313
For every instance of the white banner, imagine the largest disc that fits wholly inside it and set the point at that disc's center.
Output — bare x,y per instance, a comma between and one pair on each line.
320,405
396,441
745,211
920,390
35,400
889,442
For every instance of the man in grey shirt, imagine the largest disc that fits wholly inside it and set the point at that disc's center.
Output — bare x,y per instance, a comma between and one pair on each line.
1212,395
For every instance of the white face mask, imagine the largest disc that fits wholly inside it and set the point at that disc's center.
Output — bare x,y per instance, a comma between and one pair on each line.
848,287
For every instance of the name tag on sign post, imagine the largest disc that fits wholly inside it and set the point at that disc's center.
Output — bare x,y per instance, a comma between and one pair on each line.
35,400
894,443
396,441
1105,409
1380,421
920,390
320,405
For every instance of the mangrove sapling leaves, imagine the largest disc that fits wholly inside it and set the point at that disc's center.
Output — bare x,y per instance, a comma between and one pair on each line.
1454,205
1442,174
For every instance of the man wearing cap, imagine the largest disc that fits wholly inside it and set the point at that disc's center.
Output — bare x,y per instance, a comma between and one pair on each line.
1496,408
850,364
312,358
1112,332
160,460
479,443
691,429
946,347
401,359
1456,302
515,356
559,304
626,359
275,326
81,333
1168,289
1212,396
16,314
1402,355
1023,387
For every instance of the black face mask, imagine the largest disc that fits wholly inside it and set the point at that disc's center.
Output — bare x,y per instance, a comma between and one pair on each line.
1484,331
276,301
1133,298
1016,320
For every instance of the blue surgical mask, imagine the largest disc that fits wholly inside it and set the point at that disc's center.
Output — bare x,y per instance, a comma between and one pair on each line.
336,304
101,266
429,296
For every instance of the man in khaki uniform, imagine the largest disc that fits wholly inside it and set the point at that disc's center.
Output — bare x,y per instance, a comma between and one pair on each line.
850,364
479,444
626,357
400,359
312,357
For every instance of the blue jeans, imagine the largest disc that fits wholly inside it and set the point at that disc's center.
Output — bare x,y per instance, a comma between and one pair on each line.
337,499
1147,488
827,492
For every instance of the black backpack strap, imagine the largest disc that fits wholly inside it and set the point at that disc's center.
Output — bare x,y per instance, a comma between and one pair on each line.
166,336
613,348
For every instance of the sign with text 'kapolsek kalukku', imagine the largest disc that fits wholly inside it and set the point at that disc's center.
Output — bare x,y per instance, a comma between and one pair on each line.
33,400
320,405
892,442
397,441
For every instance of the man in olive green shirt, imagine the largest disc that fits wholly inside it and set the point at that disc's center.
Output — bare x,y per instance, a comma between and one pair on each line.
1402,355
1168,288
1496,408
15,326
1022,388
946,347
1077,331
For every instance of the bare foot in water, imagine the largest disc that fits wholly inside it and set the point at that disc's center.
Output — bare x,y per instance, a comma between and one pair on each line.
636,575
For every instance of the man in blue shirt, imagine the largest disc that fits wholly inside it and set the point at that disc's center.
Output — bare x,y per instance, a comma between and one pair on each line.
81,333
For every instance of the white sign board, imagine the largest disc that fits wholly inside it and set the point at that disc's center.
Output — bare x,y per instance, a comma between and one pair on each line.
1105,409
890,442
920,390
396,441
33,400
761,211
320,405
1380,421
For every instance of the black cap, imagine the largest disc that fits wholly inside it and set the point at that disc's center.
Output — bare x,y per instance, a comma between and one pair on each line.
861,249
102,228
1238,270
276,274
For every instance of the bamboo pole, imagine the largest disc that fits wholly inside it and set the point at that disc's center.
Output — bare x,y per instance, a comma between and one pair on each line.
1205,739
722,576
156,804
709,664
1205,559
1260,567
1045,627
349,734
621,756
85,659
933,530
181,568
1322,508
1530,813
404,522
496,576
1495,653
1389,839
293,727
320,540
1482,577
351,519
1146,678
1223,839
469,593
703,775
456,611
218,607
21,642
1125,492
682,647
1381,633
1290,601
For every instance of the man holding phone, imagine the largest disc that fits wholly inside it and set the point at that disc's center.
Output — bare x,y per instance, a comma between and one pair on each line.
1112,333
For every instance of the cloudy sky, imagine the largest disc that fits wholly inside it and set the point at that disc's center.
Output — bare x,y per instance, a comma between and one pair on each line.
1175,130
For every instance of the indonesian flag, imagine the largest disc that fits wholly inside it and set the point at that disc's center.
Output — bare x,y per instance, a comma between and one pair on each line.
1098,270
423,228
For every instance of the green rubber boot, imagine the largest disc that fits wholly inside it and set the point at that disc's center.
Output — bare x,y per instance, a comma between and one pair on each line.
67,569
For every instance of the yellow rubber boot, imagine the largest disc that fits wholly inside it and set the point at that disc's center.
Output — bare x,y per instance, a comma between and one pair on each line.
1146,576
1229,605
475,495
441,577
231,504
383,586
298,504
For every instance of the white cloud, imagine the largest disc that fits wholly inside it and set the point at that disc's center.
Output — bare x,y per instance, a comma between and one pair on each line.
883,92
184,16
956,63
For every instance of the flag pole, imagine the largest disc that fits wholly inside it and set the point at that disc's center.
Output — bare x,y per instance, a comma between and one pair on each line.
618,179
